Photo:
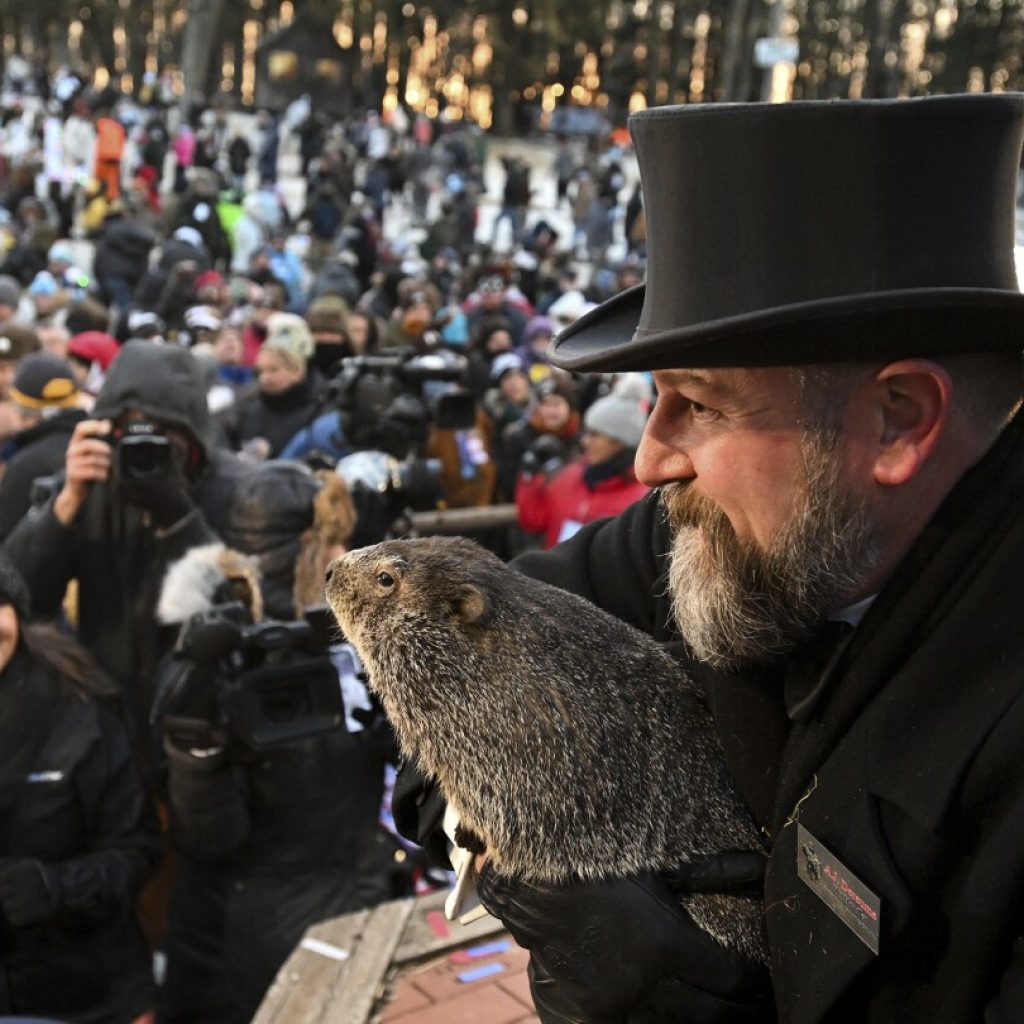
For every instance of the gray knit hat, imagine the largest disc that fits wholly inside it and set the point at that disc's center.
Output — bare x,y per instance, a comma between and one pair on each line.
618,417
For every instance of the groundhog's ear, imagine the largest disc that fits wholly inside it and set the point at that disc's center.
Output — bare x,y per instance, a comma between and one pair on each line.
471,605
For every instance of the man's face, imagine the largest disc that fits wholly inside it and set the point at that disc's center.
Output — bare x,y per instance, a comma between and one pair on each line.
770,531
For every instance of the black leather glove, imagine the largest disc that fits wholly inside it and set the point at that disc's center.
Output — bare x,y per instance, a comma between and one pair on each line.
28,895
623,949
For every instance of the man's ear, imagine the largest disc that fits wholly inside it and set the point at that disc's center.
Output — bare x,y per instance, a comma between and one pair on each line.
471,606
913,399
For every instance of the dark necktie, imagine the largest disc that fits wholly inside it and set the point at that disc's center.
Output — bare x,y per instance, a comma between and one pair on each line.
811,667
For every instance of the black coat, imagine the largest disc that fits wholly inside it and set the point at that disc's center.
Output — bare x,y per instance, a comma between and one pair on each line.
40,453
910,768
278,418
80,811
266,846
119,561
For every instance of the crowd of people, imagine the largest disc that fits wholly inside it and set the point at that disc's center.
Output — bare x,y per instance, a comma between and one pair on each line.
203,386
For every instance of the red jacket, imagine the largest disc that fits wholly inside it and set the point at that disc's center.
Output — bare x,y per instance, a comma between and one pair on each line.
560,506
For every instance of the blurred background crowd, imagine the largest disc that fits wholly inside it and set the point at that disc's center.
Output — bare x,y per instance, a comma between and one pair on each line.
232,346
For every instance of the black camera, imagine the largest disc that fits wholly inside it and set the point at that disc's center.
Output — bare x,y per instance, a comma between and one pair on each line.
142,451
274,682
388,402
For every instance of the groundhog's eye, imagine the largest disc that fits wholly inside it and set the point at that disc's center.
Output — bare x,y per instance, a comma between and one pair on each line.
385,579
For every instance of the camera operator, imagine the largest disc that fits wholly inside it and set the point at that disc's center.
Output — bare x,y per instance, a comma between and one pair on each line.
269,836
142,486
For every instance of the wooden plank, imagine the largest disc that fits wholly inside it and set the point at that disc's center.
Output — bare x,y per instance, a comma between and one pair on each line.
356,992
296,996
313,988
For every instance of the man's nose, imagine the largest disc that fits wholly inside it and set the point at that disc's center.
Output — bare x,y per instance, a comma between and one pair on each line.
658,460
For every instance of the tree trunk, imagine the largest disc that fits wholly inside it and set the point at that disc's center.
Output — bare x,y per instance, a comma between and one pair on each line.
733,49
201,29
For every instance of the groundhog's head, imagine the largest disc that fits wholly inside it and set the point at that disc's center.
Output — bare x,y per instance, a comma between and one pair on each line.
405,591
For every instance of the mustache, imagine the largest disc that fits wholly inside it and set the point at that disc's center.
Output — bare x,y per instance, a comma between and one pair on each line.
686,508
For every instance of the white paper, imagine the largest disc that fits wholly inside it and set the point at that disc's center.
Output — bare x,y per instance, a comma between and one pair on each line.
323,948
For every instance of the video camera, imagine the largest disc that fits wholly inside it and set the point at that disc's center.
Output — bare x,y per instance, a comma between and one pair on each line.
387,405
273,682
388,402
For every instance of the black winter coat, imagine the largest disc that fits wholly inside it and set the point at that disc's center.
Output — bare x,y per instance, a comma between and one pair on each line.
119,561
910,768
122,253
278,418
40,452
266,846
80,811
112,549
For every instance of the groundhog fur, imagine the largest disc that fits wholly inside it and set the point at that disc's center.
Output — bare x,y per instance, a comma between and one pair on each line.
568,741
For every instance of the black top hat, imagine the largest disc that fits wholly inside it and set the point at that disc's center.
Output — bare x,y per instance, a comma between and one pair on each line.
818,232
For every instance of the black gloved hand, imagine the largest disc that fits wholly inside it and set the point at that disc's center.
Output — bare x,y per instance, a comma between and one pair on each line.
623,949
27,893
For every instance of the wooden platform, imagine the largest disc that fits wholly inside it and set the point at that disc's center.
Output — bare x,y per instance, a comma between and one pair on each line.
341,970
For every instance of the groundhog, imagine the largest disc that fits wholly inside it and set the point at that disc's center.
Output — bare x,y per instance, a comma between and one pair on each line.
569,742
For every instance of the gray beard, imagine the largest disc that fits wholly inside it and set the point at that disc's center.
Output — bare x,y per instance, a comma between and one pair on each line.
737,603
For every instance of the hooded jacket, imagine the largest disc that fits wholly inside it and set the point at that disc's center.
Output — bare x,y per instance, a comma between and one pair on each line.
111,549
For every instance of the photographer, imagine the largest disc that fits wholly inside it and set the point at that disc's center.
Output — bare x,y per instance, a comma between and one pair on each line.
270,835
142,486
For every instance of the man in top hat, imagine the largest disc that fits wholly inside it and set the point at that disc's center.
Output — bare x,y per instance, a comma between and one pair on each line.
834,326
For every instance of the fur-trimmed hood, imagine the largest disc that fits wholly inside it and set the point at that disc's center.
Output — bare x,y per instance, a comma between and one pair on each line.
200,580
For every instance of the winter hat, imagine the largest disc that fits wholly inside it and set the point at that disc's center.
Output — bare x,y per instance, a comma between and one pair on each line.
507,362
537,325
328,314
10,290
617,417
44,382
61,252
94,347
13,589
202,318
144,321
556,385
190,235
568,308
16,341
289,335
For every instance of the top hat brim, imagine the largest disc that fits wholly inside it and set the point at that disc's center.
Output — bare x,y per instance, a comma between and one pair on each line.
852,328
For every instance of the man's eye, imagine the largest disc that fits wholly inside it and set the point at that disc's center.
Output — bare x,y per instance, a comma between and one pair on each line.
701,410
385,579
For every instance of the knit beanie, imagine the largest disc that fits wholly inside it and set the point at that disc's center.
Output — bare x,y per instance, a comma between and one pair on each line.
617,417
290,336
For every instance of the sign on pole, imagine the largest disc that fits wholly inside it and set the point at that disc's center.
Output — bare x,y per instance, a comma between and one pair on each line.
772,50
